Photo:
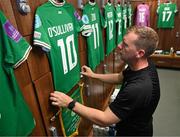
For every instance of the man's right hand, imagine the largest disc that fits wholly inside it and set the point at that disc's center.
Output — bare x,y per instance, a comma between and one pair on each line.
86,71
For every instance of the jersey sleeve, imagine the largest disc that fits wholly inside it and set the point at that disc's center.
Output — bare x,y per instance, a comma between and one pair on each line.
175,8
103,25
77,21
40,36
157,11
15,48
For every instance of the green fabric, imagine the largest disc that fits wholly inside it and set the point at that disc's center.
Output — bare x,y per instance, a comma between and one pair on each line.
119,23
94,41
166,13
70,119
130,12
110,18
15,116
56,31
124,19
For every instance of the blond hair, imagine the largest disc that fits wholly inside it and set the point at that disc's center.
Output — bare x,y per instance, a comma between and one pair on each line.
147,40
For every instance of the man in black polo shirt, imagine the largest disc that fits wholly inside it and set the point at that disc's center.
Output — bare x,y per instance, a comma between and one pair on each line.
138,98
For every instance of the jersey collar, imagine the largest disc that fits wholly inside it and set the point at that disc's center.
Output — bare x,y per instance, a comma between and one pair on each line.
109,4
57,4
92,3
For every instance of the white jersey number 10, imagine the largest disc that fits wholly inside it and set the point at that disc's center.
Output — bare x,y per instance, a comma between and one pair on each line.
69,59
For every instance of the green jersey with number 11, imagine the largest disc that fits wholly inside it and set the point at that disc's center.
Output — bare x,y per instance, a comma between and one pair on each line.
94,41
166,13
56,31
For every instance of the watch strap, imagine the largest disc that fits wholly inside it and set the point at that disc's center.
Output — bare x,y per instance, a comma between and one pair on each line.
71,104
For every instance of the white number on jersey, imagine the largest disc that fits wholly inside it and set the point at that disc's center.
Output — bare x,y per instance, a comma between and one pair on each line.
96,35
141,17
110,23
70,46
166,15
119,27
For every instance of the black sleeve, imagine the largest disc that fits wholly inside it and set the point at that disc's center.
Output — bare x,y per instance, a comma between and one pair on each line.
126,101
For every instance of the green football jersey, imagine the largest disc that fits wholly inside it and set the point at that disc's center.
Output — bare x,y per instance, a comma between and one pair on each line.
15,116
94,41
111,27
130,12
56,31
166,13
119,23
124,19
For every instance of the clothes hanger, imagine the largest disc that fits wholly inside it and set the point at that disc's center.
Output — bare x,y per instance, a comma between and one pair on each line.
60,1
92,1
119,2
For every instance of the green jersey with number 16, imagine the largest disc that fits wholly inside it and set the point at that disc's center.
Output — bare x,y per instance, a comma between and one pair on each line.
56,31
94,41
166,13
111,28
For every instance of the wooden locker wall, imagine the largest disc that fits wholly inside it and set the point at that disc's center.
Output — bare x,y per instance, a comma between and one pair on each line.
35,79
168,37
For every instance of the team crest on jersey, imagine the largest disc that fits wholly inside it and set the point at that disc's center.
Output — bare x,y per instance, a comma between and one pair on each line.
76,14
37,21
11,31
85,19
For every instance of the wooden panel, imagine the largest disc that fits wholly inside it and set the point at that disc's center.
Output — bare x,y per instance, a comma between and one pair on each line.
83,58
25,22
162,61
118,63
44,86
24,81
22,75
109,63
6,7
30,97
37,61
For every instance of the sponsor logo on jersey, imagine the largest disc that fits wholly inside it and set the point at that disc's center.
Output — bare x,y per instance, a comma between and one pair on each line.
109,14
85,19
60,12
11,31
119,15
93,17
167,8
76,14
37,21
37,35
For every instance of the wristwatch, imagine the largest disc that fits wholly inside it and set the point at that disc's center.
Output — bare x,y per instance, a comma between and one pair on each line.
71,105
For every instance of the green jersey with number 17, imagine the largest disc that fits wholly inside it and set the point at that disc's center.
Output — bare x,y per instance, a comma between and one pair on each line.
94,41
166,13
56,31
111,28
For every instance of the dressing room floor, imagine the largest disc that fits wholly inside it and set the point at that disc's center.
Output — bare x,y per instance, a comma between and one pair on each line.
167,115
